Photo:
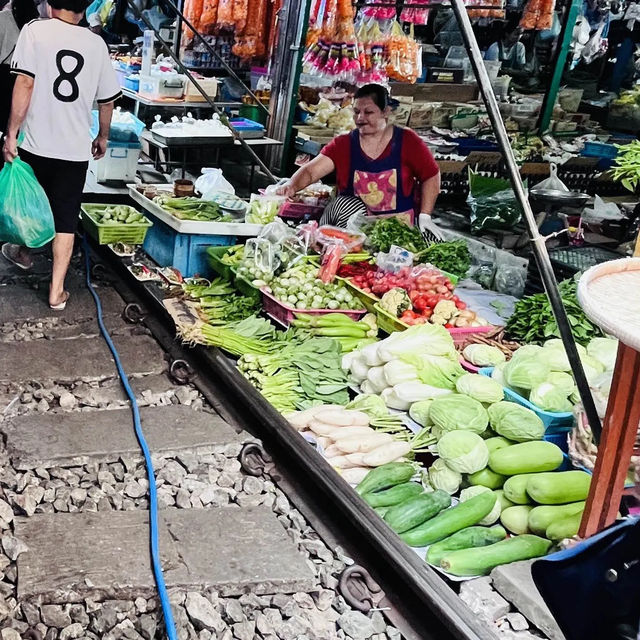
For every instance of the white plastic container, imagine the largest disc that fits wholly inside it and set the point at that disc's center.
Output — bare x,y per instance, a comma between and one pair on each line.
161,87
120,163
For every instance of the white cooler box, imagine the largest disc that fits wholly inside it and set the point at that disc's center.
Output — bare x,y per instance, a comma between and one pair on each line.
119,163
163,87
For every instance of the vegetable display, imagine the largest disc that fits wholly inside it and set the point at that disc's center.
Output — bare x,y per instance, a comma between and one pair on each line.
120,214
191,208
452,257
391,231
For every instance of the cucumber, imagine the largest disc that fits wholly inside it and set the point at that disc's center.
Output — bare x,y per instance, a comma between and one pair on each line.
463,515
526,457
516,519
414,511
515,489
465,539
559,487
393,495
505,503
541,517
487,478
566,527
497,442
480,561
385,476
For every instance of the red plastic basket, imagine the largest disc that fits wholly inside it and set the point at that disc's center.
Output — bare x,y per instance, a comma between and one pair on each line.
300,211
284,314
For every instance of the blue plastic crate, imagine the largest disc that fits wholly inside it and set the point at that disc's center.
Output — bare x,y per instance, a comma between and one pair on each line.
555,423
599,150
132,83
187,252
467,145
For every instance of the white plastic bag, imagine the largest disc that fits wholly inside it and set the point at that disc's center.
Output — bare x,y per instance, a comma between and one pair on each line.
602,211
552,183
211,182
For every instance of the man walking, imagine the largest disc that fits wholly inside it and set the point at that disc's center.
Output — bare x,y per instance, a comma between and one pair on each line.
61,69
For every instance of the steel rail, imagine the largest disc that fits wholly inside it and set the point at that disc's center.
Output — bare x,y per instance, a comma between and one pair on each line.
414,587
139,15
537,240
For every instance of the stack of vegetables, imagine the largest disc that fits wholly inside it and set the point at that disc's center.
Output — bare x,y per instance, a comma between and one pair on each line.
350,334
218,301
192,209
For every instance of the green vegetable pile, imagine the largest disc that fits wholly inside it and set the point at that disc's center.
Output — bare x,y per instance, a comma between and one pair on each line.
233,256
299,376
121,214
192,209
391,231
301,288
263,210
533,320
452,257
627,166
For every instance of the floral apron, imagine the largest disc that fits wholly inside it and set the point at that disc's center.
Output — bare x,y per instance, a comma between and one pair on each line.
378,183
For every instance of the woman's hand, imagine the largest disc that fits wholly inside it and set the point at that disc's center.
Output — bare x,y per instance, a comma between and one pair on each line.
287,190
429,228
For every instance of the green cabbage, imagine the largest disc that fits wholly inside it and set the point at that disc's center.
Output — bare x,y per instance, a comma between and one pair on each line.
483,355
526,351
498,373
463,451
456,411
480,388
515,422
556,343
605,350
555,356
372,405
550,398
592,368
525,373
419,412
472,492
563,381
443,477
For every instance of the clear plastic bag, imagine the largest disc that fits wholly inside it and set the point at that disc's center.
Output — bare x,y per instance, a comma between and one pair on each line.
493,203
25,212
263,254
397,259
330,235
552,183
212,181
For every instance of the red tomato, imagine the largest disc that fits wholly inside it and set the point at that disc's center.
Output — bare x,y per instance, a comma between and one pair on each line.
460,304
448,326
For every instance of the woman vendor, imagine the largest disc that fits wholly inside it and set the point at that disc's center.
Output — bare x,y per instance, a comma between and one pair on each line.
379,163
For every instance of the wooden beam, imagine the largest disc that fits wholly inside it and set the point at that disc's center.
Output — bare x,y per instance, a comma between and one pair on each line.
616,446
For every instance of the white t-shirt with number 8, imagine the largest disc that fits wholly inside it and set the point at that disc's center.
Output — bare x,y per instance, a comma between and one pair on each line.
71,69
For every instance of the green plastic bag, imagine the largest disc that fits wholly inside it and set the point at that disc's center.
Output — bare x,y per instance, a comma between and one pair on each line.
25,212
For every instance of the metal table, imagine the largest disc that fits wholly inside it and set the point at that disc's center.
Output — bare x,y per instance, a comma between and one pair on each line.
172,104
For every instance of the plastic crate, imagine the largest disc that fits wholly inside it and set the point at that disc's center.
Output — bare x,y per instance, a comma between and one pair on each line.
132,83
567,261
120,163
244,286
599,150
467,145
284,314
368,300
555,423
300,211
132,233
215,260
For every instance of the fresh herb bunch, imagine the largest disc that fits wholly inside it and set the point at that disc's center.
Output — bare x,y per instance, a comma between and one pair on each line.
533,319
452,257
391,231
627,166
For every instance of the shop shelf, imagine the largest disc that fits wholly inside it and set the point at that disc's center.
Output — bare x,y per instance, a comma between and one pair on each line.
215,261
133,233
555,423
284,314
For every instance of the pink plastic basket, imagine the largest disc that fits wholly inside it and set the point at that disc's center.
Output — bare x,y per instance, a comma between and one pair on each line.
467,366
460,335
284,314
300,211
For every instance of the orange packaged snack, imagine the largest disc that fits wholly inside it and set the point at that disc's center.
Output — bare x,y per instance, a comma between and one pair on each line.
225,14
208,17
192,12
240,14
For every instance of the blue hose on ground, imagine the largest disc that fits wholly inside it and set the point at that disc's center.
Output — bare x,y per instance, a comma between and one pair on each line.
153,497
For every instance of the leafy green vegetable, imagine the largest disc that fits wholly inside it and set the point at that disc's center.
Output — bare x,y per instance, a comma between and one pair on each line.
456,411
480,388
550,398
533,320
463,451
443,477
452,257
525,373
391,231
515,422
483,355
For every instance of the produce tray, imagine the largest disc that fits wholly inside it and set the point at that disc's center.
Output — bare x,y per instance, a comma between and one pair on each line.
284,314
215,255
133,233
185,141
389,324
555,423
244,286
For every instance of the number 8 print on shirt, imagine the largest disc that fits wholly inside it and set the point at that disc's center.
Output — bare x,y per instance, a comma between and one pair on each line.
71,70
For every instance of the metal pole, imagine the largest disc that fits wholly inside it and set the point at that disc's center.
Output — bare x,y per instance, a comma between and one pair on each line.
197,85
216,55
560,62
537,241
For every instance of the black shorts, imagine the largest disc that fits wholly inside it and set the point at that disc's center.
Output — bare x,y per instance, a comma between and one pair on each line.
63,182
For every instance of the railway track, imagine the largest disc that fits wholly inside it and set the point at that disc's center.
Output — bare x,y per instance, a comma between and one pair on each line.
259,537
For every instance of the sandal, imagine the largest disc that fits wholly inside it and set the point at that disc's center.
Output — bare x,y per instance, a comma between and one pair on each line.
61,305
10,252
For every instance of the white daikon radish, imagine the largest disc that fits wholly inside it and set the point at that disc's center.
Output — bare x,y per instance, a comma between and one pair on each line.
332,451
356,458
387,453
355,475
323,442
348,432
340,462
322,428
363,443
338,417
360,418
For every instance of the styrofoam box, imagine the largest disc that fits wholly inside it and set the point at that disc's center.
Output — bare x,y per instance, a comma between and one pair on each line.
119,163
162,86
